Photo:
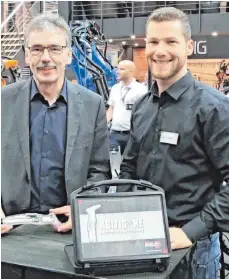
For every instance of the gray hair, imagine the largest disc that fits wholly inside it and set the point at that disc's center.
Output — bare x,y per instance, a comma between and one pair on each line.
171,14
48,21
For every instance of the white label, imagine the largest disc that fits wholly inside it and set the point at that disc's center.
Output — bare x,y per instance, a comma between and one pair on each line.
168,137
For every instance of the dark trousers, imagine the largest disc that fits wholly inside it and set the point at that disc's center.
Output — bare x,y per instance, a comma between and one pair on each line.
121,137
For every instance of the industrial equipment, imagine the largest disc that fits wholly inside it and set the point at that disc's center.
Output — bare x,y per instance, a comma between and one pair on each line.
90,65
10,71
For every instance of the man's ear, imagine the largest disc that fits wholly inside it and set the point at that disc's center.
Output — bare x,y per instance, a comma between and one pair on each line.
190,47
27,57
70,56
69,60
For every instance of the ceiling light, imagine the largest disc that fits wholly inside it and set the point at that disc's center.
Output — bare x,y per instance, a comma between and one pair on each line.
136,45
145,39
96,38
133,36
110,40
123,42
214,33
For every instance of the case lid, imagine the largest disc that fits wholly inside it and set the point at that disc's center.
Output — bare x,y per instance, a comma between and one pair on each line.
121,226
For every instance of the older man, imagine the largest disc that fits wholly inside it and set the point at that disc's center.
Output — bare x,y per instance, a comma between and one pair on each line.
54,133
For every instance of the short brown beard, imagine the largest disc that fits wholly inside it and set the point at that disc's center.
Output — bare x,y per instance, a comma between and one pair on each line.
171,75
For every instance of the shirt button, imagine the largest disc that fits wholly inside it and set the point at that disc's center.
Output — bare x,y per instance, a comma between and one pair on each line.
43,179
46,132
157,130
44,155
154,152
160,108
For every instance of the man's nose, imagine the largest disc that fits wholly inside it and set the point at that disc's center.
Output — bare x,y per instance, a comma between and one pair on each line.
161,49
45,55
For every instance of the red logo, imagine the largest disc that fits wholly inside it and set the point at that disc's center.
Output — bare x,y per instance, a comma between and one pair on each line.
153,244
165,251
157,244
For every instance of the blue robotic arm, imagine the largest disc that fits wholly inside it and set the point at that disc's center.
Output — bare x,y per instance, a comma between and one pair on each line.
91,67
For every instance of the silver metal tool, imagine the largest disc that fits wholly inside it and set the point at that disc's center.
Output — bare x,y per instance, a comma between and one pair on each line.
32,219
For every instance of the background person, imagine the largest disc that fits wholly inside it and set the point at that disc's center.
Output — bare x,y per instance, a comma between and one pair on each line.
121,100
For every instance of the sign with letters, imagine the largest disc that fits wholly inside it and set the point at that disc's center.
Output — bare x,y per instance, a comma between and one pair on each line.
210,47
200,47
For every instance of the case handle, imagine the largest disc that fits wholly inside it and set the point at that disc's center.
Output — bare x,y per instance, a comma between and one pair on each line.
137,184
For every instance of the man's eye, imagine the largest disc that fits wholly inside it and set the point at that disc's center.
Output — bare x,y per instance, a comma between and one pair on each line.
172,42
153,42
54,48
36,49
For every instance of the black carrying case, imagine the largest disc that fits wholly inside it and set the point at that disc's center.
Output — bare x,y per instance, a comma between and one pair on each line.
121,232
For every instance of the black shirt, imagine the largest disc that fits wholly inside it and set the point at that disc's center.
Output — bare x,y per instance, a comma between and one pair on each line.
47,146
191,171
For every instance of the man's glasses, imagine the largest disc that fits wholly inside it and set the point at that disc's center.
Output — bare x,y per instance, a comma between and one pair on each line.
38,50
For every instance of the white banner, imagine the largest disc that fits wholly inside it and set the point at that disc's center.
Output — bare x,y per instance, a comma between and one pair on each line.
121,226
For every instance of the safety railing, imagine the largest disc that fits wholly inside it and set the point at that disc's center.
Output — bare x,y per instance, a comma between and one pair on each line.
50,6
13,27
16,16
82,10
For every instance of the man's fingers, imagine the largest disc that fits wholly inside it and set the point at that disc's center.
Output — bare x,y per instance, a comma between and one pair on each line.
66,210
173,246
178,239
65,226
5,228
179,245
3,231
61,210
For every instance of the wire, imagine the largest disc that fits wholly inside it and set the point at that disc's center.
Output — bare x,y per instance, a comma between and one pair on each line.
224,235
116,172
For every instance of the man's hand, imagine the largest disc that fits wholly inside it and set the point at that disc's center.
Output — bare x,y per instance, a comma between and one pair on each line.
179,239
5,228
66,210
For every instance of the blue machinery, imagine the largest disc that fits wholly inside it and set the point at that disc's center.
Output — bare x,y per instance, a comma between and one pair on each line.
90,65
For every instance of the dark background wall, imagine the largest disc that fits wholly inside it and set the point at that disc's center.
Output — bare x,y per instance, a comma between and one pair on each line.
202,22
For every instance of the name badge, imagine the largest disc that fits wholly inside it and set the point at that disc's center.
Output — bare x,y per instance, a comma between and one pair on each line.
129,107
168,137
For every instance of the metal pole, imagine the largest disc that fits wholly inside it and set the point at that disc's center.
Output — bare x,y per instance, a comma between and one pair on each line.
101,9
132,7
72,7
19,35
199,16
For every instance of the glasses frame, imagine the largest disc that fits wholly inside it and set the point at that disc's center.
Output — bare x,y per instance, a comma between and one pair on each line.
47,47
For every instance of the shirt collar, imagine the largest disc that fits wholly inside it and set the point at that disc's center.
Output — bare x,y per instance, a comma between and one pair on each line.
35,90
130,85
176,89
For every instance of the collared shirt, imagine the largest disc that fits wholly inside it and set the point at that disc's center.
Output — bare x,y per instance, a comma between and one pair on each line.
192,169
48,132
122,98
